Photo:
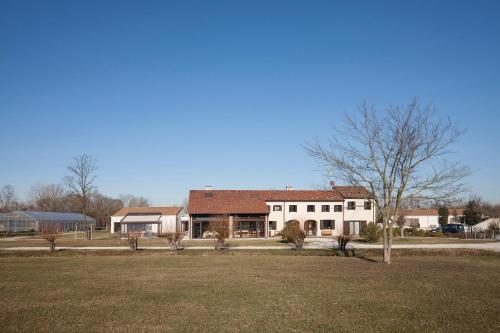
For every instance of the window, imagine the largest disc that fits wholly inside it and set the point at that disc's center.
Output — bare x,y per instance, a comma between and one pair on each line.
412,222
325,208
292,208
368,205
272,225
310,208
277,208
327,224
351,205
337,208
185,225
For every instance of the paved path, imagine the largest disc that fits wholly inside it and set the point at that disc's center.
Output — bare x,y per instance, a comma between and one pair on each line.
323,244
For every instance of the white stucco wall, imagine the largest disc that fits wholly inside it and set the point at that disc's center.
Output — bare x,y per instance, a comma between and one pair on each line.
426,222
302,215
168,223
360,213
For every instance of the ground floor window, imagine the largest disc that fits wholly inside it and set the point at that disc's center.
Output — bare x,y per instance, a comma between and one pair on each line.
272,225
200,229
248,229
353,227
326,224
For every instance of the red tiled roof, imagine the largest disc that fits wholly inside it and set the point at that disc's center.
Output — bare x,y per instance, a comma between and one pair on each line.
354,192
148,210
428,212
250,201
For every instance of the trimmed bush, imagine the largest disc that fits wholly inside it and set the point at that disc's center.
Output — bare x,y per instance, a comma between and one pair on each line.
438,234
371,232
293,234
420,233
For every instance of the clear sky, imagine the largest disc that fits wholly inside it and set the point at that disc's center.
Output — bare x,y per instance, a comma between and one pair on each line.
175,95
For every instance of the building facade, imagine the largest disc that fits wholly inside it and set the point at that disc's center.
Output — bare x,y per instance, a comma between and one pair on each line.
426,219
263,213
147,221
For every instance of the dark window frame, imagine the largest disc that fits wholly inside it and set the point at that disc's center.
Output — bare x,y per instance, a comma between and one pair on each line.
325,208
280,208
337,208
323,222
292,208
351,205
273,225
311,208
368,204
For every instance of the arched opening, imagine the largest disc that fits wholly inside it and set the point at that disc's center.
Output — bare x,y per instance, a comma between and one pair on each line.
310,227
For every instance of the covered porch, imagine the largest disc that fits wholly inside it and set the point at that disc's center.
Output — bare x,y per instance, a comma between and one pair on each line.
144,225
239,225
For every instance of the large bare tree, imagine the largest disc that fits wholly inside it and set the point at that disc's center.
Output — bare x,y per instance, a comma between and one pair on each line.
399,154
81,180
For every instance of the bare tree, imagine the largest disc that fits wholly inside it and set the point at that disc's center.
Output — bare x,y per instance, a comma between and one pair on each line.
102,207
399,155
130,200
48,197
185,204
80,181
8,199
401,222
49,233
174,237
133,240
219,228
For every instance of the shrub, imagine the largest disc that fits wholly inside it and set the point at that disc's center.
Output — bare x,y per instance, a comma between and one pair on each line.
342,241
396,231
49,233
438,234
293,234
371,232
420,233
219,227
174,239
133,240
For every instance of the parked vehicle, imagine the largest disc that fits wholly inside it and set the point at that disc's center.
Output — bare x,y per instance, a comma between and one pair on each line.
450,228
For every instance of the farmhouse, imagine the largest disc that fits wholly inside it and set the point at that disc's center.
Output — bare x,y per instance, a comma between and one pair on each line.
148,221
428,218
263,213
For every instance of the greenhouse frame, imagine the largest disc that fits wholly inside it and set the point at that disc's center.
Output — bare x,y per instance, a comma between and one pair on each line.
25,221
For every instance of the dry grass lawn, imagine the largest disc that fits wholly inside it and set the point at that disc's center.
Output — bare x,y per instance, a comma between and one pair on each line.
247,292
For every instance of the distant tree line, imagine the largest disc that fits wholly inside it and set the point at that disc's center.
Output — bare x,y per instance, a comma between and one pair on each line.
78,194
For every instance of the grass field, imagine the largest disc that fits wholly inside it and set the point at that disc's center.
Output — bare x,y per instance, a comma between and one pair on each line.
247,292
103,238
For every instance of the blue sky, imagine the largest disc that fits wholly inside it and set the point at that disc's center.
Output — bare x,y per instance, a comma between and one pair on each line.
175,95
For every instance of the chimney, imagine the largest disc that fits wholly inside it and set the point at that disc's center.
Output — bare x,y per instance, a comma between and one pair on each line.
289,188
332,184
209,191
